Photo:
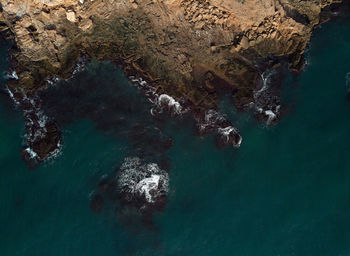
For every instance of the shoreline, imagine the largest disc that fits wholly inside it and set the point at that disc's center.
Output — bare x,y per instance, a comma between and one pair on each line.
265,103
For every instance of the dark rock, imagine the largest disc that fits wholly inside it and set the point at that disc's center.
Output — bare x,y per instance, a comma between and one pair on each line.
96,203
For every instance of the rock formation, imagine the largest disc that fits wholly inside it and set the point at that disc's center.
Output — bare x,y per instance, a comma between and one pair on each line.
189,49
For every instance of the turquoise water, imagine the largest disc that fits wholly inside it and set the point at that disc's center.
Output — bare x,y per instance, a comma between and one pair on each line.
286,191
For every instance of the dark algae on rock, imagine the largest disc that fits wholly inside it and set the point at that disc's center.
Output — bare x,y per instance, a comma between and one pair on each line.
183,56
284,192
189,50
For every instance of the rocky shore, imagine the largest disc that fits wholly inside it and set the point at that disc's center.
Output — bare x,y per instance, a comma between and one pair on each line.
187,51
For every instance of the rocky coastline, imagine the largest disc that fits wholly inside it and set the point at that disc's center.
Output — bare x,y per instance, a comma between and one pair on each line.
182,54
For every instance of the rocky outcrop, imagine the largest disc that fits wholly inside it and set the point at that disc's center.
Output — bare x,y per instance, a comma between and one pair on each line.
188,49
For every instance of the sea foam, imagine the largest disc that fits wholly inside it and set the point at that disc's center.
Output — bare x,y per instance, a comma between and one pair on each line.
136,179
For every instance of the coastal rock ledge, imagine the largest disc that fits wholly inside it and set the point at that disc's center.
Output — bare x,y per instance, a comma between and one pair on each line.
191,50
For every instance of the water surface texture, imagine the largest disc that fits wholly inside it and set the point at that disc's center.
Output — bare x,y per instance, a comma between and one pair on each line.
285,191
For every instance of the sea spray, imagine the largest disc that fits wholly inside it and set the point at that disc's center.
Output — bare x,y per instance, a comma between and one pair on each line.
266,104
214,122
40,130
139,180
162,102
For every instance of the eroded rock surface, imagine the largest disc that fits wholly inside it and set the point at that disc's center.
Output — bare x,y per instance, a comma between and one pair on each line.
174,42
188,49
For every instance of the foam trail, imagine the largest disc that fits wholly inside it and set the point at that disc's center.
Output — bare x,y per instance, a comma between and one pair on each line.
265,77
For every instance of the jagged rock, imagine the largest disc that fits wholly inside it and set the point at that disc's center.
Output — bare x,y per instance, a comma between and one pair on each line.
175,41
53,34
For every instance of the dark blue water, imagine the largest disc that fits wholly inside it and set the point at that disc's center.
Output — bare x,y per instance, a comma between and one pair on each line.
286,191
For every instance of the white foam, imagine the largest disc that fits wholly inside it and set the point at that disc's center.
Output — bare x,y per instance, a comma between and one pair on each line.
56,152
52,81
146,180
78,68
42,119
138,81
228,131
265,77
147,185
11,75
143,83
278,107
159,100
12,96
153,112
39,121
173,105
211,118
214,120
31,153
249,105
271,116
239,141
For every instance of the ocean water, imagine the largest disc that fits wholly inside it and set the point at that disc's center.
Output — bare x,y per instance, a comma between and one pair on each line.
285,191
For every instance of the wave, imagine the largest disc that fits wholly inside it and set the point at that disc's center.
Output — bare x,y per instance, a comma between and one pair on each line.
38,126
266,104
215,122
11,75
210,121
167,103
138,180
162,102
230,135
266,78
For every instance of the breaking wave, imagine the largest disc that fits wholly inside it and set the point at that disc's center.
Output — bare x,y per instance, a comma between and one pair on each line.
266,104
146,181
38,126
210,120
215,122
11,75
230,135
162,102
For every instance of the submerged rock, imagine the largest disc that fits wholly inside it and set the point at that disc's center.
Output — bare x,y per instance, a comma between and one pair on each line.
136,191
182,53
43,139
96,203
214,122
144,183
229,136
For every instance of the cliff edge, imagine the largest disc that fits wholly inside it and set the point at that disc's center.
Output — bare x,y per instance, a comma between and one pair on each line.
189,49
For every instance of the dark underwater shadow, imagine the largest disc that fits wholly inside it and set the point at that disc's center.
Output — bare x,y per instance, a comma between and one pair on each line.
102,94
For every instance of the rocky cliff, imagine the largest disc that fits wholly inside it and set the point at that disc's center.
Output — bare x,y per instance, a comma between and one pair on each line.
189,49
